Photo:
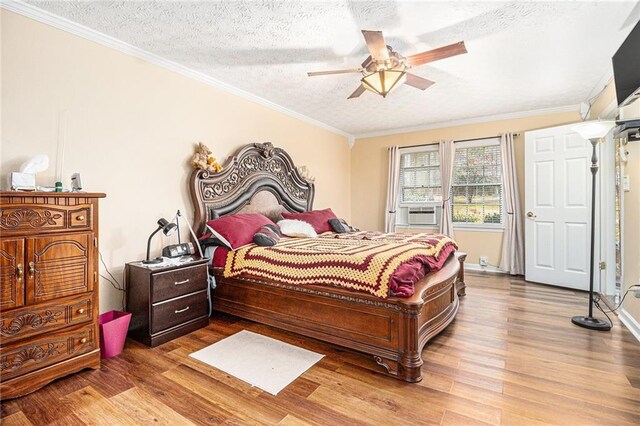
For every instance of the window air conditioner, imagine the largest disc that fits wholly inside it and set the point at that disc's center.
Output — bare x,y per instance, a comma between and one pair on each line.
422,216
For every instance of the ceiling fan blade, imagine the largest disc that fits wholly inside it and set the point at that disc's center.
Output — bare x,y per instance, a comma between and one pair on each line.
436,54
418,82
376,45
359,91
345,71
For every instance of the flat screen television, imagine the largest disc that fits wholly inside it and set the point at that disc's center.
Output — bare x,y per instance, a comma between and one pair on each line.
626,66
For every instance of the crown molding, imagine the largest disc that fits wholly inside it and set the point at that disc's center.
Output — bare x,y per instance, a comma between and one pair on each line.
474,120
351,140
69,26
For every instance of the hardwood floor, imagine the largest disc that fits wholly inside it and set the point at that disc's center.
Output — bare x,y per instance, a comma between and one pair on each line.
511,356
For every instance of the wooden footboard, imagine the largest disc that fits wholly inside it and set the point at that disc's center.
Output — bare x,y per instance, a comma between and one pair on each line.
393,330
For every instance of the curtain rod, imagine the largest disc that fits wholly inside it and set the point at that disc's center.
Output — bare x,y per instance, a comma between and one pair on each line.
455,141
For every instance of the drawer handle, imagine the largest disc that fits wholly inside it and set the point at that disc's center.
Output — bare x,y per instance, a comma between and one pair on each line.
177,311
80,311
32,269
83,340
181,282
80,217
19,272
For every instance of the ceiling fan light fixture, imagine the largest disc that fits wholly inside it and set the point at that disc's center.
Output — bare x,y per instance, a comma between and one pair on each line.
384,81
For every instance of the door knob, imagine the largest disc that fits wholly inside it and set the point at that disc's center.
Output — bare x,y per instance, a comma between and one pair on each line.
32,269
19,272
530,214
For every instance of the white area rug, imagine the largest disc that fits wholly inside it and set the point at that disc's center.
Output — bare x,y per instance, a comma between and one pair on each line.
258,360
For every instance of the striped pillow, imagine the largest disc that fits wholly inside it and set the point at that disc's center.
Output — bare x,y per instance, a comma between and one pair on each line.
268,235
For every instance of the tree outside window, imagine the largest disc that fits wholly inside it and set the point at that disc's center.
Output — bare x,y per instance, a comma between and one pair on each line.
477,185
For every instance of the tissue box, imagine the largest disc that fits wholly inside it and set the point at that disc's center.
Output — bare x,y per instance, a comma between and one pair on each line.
22,181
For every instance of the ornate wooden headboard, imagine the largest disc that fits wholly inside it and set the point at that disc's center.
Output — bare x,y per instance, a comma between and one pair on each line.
259,178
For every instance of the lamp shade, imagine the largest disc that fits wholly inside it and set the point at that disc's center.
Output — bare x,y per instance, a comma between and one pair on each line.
168,228
593,129
383,82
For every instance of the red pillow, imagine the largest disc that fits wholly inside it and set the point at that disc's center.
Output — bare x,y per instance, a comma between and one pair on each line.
319,219
237,230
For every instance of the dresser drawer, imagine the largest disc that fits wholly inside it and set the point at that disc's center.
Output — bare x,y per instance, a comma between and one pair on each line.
39,352
178,282
177,311
80,217
33,320
15,219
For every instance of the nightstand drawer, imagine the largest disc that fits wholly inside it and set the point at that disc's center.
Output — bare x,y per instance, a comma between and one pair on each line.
178,282
177,311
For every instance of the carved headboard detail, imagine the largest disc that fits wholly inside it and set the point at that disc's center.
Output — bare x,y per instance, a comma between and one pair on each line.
259,178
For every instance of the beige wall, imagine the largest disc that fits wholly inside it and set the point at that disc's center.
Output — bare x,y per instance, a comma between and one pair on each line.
369,173
631,230
131,132
631,226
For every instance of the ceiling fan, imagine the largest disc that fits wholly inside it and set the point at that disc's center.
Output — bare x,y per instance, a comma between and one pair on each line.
385,69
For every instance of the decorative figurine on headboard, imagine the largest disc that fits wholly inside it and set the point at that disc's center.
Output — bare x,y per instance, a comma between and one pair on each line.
306,174
202,159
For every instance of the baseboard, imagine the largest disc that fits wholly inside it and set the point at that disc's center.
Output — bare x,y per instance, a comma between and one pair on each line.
475,267
630,322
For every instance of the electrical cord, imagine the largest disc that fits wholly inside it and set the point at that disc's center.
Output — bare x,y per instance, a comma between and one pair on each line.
590,102
113,280
597,305
597,298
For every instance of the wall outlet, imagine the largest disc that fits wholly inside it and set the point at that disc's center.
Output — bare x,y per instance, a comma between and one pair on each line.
484,261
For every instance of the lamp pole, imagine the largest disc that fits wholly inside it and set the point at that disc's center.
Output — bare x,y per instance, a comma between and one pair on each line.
594,172
589,321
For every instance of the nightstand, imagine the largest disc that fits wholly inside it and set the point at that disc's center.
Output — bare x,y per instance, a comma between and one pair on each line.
166,301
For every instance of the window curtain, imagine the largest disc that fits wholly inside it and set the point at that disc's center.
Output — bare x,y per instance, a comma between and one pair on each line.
392,190
447,154
512,259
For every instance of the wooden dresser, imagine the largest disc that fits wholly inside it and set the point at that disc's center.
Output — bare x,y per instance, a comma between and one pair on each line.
48,288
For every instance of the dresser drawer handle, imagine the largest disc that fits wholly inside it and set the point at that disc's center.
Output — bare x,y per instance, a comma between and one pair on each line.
181,282
32,269
80,311
80,217
177,311
19,272
83,340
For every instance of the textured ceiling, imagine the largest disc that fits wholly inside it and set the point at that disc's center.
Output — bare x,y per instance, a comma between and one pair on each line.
522,55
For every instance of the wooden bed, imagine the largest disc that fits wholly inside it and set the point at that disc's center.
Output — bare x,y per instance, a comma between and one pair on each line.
263,179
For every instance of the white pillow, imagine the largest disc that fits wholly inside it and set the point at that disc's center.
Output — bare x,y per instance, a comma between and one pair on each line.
296,228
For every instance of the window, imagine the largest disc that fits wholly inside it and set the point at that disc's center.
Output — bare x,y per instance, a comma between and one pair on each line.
477,184
420,176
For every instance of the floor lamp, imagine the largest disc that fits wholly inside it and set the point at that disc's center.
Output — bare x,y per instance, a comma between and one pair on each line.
594,131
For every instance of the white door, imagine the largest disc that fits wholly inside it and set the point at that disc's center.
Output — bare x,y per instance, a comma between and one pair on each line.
557,207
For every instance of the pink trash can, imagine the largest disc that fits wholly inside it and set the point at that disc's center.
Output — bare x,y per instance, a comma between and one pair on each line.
113,332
